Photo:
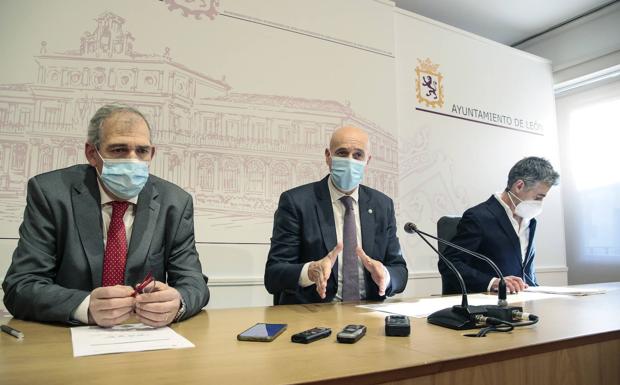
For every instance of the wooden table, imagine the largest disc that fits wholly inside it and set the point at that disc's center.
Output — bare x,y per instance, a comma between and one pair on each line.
577,341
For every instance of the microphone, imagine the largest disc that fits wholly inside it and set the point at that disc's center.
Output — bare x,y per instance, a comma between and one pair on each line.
459,317
501,290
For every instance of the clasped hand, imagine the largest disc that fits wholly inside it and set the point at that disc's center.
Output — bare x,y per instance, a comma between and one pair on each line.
320,271
112,305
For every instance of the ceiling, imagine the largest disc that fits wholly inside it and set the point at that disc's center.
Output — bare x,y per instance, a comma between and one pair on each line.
505,21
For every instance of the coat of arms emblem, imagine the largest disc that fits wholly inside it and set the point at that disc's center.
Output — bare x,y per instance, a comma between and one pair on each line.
428,84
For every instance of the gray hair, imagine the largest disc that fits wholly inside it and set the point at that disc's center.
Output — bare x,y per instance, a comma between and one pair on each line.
96,122
532,170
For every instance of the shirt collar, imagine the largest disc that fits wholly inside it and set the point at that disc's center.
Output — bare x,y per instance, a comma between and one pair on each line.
524,222
105,198
336,194
498,196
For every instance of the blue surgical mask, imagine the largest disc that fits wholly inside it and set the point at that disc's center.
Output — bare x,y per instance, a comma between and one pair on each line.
125,178
347,173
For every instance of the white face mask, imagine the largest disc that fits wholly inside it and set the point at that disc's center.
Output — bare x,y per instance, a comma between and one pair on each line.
526,209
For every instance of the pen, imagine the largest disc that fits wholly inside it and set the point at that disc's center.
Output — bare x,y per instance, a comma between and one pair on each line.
14,332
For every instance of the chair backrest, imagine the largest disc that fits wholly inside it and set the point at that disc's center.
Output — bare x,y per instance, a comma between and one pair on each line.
446,229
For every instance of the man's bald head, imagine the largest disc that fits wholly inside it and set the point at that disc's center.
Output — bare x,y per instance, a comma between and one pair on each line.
348,142
349,136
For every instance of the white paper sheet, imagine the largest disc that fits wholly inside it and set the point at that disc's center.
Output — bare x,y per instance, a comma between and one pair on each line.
565,290
93,340
423,307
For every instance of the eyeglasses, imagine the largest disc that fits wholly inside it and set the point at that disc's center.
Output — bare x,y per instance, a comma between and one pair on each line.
146,286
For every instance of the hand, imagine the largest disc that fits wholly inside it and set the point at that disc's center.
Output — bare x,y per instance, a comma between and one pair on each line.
110,305
319,271
159,307
375,268
513,284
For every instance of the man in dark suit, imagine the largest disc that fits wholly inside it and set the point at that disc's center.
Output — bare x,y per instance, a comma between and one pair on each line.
502,228
92,232
336,239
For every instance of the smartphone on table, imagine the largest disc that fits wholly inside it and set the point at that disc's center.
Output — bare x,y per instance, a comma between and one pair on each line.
262,332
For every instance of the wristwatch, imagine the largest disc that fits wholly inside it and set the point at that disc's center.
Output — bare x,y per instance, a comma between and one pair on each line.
181,311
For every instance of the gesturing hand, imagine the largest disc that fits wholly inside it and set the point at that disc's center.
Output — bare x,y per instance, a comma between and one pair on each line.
320,271
375,268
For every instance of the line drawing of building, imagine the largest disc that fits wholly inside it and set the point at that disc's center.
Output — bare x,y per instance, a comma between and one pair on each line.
234,152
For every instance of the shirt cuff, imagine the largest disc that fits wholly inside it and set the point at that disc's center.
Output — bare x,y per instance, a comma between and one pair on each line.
387,278
490,287
304,281
81,312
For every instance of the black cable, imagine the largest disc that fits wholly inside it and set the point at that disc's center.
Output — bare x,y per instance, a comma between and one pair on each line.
526,323
531,319
500,326
495,325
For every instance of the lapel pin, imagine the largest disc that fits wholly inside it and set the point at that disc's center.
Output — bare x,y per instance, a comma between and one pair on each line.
369,211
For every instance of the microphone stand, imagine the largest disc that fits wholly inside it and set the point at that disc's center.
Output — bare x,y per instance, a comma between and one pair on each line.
459,317
501,290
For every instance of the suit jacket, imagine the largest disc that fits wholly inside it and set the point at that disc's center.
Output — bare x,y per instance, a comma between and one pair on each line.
59,257
486,229
304,230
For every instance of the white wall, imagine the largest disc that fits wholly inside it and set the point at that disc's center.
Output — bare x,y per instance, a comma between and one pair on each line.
583,51
243,101
242,95
448,164
593,214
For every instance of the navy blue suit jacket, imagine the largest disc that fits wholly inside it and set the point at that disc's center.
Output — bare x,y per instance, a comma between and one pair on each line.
486,229
304,230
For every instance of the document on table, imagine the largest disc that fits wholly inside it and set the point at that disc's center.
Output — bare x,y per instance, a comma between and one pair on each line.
423,307
565,290
93,340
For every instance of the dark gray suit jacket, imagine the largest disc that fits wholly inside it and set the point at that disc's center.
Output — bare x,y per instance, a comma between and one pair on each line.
59,257
304,230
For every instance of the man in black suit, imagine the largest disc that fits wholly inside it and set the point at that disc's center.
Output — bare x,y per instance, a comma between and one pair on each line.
502,228
335,239
91,232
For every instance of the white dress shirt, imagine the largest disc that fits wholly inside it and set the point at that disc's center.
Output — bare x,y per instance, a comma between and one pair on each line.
522,230
339,209
81,312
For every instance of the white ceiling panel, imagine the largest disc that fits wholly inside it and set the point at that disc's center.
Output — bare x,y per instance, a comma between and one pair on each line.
505,21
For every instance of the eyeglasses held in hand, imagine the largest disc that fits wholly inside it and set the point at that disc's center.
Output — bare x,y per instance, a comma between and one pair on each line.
146,286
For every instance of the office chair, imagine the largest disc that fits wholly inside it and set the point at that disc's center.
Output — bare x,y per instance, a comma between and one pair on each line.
446,229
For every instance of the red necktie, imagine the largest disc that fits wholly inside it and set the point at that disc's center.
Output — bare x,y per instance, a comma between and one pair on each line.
116,247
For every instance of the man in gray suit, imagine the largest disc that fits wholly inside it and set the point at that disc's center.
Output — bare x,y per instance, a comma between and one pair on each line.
92,232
